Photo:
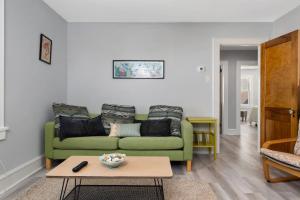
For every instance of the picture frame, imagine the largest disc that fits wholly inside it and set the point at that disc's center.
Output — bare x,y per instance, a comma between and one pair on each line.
45,53
138,69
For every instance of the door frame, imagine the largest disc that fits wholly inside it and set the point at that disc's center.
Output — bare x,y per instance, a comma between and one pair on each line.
216,44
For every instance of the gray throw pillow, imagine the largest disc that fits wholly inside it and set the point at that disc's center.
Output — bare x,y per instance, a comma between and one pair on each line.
61,109
168,112
121,114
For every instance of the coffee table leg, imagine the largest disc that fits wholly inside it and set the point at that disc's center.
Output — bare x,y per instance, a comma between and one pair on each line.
155,185
162,188
77,189
159,188
63,188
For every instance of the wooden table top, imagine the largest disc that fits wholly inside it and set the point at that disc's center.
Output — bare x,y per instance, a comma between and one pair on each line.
201,119
133,167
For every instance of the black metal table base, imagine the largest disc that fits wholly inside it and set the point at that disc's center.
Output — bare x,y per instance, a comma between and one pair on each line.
112,192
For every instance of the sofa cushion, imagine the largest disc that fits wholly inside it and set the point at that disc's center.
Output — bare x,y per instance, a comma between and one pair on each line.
125,130
170,112
286,158
151,143
121,114
61,109
80,127
91,143
156,128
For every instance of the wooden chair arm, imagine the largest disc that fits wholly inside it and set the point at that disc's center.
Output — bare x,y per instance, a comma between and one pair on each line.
280,141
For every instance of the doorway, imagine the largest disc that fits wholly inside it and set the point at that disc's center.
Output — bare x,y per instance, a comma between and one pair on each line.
220,85
240,88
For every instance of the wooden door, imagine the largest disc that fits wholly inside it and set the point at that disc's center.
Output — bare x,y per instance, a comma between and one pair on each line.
280,88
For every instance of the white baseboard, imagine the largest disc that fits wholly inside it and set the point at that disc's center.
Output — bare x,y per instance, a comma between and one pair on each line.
231,132
12,178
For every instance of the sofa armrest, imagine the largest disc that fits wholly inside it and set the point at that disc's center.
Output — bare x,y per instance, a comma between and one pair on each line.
187,136
49,136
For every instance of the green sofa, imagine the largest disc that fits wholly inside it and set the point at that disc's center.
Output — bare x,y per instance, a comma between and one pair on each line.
176,148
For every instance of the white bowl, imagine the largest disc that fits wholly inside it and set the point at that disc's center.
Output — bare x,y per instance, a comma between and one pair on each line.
112,160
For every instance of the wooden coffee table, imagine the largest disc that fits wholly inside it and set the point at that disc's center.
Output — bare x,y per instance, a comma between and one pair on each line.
156,168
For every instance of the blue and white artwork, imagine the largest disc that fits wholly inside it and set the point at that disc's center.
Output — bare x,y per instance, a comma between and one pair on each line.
138,69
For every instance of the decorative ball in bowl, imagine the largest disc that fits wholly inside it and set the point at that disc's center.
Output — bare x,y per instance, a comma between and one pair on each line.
112,160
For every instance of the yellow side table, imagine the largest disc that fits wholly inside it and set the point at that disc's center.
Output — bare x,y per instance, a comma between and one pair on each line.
209,137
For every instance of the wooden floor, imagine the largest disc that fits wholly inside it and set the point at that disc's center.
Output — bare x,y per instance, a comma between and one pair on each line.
236,174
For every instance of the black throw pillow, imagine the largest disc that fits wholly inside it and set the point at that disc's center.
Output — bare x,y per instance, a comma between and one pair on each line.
156,128
95,127
80,127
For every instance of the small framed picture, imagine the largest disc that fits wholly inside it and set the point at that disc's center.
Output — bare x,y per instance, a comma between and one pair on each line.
45,49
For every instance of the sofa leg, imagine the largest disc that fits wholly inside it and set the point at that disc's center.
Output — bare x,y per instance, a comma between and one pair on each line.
189,166
48,163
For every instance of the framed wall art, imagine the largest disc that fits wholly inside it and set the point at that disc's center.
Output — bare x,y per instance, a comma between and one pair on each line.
45,49
138,69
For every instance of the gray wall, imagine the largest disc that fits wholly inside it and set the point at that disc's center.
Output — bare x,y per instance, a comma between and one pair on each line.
287,23
30,86
183,46
233,57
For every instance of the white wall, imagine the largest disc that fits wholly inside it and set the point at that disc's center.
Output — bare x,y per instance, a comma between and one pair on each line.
254,73
183,46
287,23
30,85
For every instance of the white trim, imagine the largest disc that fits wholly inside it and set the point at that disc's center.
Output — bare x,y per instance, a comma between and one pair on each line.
225,96
2,63
249,67
250,92
237,99
3,129
3,132
216,43
232,131
10,179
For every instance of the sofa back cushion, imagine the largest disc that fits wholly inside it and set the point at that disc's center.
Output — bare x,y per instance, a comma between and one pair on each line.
170,112
121,114
61,109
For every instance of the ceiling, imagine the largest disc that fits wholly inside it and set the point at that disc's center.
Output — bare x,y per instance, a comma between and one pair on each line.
172,10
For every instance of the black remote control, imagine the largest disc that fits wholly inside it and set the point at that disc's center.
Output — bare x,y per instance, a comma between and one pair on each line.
80,166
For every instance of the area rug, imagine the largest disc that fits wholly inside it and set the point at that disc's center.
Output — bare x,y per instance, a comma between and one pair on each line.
179,187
